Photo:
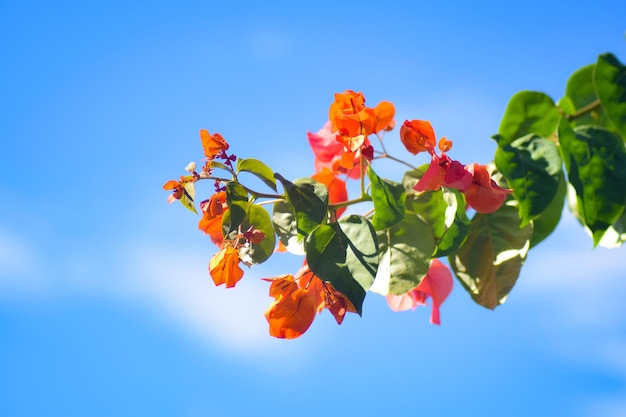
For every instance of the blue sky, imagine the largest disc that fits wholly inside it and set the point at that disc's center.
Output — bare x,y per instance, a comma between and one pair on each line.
106,307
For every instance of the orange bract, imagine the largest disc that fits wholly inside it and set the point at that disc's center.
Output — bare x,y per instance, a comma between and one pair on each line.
418,136
293,310
212,213
212,144
351,118
224,267
444,144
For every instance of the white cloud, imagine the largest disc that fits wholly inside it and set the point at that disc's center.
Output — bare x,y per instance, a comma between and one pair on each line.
20,266
177,284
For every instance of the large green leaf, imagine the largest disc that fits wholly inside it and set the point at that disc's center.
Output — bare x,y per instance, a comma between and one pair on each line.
595,160
528,112
444,210
547,221
309,199
259,169
489,262
346,255
581,92
610,82
284,219
256,253
532,166
237,200
388,198
405,251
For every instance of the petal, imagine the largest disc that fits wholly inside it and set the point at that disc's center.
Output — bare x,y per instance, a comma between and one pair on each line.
384,115
401,302
290,316
437,284
483,194
417,136
434,176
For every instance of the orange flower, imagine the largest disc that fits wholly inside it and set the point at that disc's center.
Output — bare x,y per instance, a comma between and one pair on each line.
224,267
351,118
298,299
337,192
330,153
212,213
212,144
293,309
418,136
384,112
177,187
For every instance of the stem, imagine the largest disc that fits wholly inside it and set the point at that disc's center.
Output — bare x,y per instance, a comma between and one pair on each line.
586,109
350,202
362,168
256,194
384,155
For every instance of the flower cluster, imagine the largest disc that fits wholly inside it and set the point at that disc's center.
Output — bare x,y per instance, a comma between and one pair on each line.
343,151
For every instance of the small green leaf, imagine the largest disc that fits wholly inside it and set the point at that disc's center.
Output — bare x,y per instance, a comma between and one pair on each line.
595,160
215,164
404,251
259,218
489,262
528,112
237,200
444,210
189,193
547,221
610,82
284,219
346,255
309,199
531,165
388,198
259,169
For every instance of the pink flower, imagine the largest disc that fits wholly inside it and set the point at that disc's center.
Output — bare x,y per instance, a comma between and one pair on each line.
483,194
444,171
329,152
436,284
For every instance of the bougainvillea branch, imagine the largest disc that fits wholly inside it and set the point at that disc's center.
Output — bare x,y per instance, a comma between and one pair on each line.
484,219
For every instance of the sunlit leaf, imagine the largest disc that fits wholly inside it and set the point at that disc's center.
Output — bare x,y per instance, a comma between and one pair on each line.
256,253
528,112
610,82
547,221
189,193
405,250
581,92
346,255
489,262
532,166
309,199
237,200
388,198
259,169
445,212
595,160
284,219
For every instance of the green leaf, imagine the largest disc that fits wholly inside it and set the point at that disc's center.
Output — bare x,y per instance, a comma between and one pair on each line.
528,112
259,169
531,165
595,160
489,262
189,193
237,200
257,253
388,198
215,164
610,82
547,221
444,210
309,199
346,255
581,92
284,219
405,251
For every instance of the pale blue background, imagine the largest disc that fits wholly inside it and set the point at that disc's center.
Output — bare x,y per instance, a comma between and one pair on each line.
106,307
